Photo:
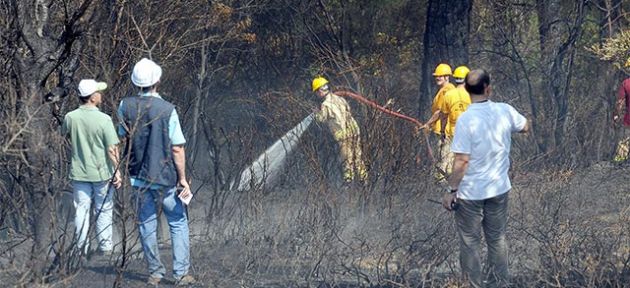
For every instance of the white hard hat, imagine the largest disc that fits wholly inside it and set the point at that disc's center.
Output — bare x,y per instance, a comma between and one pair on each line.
88,86
146,73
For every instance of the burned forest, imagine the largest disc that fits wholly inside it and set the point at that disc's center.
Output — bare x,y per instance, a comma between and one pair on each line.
281,198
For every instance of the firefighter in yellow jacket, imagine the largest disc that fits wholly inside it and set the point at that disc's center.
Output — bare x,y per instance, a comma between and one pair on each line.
442,75
335,113
455,102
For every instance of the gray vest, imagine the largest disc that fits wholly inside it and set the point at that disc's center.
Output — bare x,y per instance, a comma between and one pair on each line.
149,145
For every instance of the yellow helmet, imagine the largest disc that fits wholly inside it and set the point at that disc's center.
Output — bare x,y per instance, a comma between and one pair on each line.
318,82
627,63
442,70
461,72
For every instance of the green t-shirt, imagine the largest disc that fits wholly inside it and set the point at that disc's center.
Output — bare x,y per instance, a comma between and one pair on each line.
91,133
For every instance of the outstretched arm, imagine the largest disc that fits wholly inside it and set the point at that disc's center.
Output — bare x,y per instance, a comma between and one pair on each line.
322,114
432,120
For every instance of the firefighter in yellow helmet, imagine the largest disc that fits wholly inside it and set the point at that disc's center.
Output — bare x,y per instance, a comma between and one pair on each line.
455,102
442,75
335,113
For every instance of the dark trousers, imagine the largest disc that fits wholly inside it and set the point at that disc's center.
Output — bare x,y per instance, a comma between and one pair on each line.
489,215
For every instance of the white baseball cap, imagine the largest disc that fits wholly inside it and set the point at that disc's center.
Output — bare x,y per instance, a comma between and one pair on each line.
87,87
146,73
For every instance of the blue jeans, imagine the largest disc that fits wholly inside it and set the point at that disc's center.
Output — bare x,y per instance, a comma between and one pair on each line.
102,193
471,217
151,203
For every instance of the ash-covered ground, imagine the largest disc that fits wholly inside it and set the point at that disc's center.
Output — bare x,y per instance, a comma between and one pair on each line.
567,228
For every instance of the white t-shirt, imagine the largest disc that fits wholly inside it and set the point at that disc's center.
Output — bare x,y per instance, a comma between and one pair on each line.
484,132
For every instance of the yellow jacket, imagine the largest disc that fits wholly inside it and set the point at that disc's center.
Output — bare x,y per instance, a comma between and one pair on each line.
455,102
335,112
438,101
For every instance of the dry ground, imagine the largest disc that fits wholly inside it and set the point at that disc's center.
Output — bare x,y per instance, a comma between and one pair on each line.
567,229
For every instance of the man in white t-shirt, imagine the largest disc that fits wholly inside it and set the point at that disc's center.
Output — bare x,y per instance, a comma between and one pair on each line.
479,182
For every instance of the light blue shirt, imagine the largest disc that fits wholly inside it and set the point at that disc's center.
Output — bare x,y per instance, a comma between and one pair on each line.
174,131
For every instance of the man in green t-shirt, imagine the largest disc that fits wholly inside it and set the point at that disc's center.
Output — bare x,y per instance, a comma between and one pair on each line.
94,160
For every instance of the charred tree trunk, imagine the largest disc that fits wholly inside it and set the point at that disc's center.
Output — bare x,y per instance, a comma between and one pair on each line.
557,46
43,64
445,40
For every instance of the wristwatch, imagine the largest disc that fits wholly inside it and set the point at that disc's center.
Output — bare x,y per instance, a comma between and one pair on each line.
451,189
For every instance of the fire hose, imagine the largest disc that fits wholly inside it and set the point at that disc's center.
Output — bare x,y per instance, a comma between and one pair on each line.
389,112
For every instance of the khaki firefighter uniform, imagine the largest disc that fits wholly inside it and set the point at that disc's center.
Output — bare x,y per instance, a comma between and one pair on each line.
335,113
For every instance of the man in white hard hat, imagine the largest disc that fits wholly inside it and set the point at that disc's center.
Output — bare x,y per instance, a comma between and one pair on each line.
157,167
94,160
